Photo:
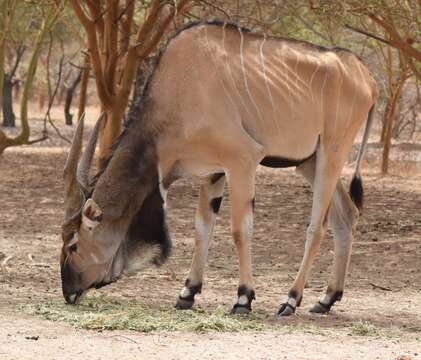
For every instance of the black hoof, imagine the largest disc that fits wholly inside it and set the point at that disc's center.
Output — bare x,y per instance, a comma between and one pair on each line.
184,304
320,308
240,310
186,299
285,309
245,298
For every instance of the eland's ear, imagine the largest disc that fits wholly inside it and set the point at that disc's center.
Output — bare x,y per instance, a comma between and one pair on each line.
91,214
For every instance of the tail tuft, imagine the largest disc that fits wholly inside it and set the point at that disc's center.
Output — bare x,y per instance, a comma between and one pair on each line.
357,192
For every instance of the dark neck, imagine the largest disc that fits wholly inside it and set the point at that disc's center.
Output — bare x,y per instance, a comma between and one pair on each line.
128,193
130,176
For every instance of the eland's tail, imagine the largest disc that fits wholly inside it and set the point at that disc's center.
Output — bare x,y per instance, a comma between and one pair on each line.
356,188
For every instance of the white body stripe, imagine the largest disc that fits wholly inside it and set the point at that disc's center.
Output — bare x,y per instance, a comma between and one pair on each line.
322,89
262,59
312,78
216,71
243,104
243,67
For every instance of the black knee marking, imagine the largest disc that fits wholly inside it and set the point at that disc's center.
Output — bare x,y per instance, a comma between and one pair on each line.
215,204
215,178
193,290
294,294
243,290
253,203
337,296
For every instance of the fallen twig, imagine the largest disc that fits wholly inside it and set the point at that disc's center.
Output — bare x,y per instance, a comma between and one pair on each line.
123,338
380,287
43,265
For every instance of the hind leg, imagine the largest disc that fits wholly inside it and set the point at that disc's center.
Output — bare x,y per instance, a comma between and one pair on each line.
342,218
327,169
210,197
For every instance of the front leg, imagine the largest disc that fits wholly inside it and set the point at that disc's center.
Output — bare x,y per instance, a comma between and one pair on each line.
241,187
210,197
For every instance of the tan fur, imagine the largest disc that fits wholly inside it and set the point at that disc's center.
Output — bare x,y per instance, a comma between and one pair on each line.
220,101
238,97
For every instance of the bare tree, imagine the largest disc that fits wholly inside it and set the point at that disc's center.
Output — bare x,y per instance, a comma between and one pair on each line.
115,51
23,137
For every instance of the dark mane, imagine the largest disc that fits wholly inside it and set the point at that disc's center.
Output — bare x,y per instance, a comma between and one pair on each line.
237,27
139,106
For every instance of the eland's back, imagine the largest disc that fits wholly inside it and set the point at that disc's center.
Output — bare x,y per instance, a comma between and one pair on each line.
284,93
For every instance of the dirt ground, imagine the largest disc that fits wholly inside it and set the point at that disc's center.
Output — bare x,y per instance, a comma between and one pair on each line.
383,286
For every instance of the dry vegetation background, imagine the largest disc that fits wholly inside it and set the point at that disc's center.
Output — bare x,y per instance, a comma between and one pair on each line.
59,59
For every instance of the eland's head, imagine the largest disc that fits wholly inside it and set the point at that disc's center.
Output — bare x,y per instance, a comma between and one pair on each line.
114,226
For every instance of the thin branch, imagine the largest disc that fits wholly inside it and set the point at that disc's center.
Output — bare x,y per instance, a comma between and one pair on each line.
77,66
58,131
395,39
51,101
363,32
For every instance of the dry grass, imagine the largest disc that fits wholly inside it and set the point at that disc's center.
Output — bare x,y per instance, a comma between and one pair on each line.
365,328
100,313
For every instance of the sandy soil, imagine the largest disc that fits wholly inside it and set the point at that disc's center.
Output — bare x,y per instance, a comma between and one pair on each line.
386,253
28,338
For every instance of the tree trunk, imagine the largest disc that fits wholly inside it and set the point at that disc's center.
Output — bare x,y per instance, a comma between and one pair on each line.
389,120
110,131
69,97
385,117
388,125
8,114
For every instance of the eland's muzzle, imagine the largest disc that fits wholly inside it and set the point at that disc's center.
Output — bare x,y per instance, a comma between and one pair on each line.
73,298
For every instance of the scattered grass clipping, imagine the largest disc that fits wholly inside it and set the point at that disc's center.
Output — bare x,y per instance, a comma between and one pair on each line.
109,314
103,313
364,328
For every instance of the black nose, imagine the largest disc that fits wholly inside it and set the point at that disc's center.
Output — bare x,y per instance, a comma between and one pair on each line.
73,298
70,282
70,299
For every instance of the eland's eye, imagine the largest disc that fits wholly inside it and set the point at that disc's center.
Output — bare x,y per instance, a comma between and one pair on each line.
73,248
